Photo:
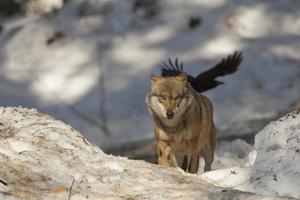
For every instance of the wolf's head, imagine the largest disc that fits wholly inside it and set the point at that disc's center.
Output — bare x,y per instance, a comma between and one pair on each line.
169,97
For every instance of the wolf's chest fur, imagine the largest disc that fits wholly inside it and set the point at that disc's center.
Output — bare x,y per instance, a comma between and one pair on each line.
179,141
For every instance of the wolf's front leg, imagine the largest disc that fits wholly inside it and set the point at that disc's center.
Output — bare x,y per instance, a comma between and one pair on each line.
173,159
165,154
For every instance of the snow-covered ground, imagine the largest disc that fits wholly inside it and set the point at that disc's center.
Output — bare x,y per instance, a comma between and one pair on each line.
93,58
271,168
44,159
236,153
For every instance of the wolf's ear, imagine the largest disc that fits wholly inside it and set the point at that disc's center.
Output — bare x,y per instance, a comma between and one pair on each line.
154,78
182,77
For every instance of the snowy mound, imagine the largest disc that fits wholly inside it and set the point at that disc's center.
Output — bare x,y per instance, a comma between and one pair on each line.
276,169
44,159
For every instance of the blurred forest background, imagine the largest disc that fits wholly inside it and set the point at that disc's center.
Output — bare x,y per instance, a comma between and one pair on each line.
87,62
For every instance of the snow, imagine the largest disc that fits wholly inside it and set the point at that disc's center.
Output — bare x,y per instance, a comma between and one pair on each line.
107,39
237,153
19,146
41,6
85,172
275,170
8,197
101,67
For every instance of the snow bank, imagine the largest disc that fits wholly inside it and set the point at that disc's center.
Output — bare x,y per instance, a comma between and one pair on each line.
45,159
276,169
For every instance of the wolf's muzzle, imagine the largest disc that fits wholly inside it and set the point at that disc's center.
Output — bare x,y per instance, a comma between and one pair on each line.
170,114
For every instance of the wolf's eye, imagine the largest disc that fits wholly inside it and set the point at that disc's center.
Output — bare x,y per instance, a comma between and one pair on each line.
161,97
179,97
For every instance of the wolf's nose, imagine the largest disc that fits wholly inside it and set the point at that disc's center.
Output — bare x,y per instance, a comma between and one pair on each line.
170,114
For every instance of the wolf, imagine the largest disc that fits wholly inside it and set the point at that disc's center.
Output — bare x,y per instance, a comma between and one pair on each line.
183,117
